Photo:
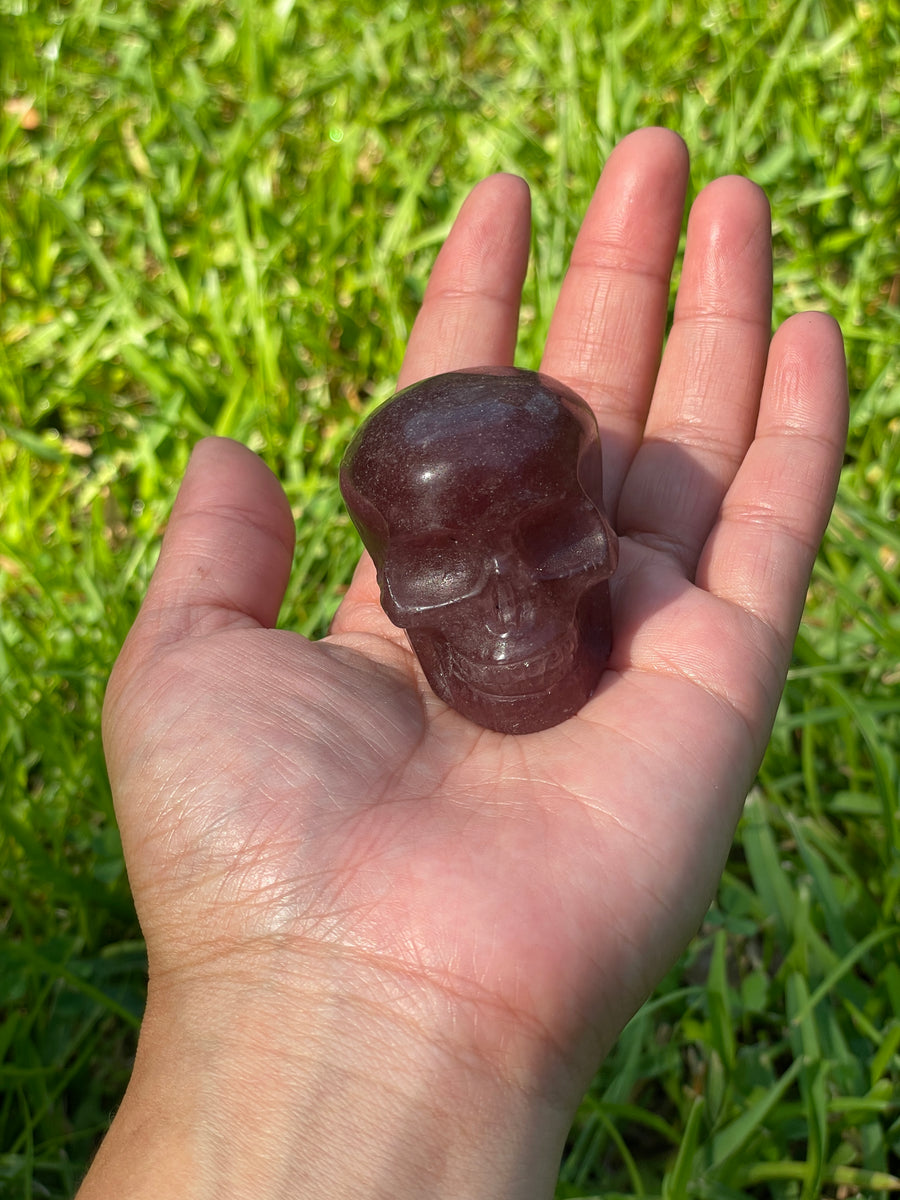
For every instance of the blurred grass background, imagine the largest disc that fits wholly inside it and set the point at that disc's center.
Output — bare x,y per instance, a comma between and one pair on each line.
219,217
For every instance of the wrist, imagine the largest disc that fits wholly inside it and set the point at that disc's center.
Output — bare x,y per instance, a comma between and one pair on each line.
249,1087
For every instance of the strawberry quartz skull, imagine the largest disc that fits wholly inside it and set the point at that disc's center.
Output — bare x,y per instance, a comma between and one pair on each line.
478,495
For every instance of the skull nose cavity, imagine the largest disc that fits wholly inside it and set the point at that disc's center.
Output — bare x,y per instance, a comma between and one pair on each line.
505,600
518,625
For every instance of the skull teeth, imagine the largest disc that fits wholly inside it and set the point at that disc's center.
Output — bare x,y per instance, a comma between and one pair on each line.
511,678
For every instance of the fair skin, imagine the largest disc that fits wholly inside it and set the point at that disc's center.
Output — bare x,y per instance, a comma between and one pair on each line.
388,949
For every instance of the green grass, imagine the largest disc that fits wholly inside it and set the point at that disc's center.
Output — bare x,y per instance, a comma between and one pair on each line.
220,217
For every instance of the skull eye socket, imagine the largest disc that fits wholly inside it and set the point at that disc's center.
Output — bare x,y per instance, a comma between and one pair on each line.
565,540
421,574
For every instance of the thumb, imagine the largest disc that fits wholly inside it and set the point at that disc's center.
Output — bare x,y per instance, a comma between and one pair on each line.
227,551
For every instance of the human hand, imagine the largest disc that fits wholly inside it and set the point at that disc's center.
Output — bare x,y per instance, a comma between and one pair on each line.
372,925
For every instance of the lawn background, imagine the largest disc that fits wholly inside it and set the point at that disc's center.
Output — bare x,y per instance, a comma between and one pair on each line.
219,217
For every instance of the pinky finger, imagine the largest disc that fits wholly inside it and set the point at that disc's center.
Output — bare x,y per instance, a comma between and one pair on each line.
760,552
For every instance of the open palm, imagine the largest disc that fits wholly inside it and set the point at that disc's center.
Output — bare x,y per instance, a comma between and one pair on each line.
516,896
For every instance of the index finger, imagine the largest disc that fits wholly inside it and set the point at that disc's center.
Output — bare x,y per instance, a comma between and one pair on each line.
469,318
470,313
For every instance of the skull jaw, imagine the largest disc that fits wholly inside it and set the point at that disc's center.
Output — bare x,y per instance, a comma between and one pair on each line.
523,697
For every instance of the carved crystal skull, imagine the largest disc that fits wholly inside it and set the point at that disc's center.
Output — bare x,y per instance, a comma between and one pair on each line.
478,496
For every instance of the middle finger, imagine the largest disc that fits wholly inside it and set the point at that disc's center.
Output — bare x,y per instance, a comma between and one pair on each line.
706,400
